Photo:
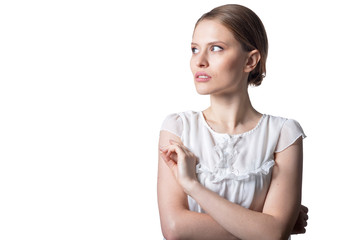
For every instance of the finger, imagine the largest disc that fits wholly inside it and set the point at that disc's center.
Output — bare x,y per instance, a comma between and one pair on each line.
164,156
168,149
303,230
303,215
164,148
300,224
175,149
172,155
169,155
298,231
170,163
304,208
171,151
171,141
180,145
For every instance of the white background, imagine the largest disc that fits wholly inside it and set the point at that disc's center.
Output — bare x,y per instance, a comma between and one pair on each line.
85,86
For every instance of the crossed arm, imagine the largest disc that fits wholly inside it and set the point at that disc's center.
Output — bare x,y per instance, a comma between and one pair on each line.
224,219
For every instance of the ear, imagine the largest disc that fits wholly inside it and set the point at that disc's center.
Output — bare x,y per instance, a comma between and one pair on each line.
252,60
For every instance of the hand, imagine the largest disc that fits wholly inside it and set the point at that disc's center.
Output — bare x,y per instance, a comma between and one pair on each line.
182,162
301,223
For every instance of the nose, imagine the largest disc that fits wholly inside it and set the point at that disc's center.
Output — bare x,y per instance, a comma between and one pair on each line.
202,60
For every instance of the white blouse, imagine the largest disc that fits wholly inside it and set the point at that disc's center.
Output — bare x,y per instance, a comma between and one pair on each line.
237,167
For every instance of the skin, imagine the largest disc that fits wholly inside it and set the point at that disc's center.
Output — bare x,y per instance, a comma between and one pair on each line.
217,52
220,55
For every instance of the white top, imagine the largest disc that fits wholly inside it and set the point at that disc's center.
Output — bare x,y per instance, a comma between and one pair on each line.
237,167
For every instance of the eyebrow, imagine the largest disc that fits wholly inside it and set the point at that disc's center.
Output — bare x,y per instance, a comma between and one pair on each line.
210,43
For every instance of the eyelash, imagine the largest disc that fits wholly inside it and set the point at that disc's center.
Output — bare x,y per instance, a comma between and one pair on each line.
212,49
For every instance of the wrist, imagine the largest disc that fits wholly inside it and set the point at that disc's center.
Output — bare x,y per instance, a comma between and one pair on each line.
191,187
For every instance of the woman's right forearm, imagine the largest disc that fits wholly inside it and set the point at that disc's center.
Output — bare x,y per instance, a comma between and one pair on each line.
194,225
177,221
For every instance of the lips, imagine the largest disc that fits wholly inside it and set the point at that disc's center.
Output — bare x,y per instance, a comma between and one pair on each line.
202,77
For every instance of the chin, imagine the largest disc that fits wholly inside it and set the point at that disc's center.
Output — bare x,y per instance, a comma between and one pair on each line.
203,91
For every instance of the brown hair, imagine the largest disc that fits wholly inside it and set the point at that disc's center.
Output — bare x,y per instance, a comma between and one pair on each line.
248,29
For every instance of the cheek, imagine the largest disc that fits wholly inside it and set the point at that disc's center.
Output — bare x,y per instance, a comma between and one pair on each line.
230,67
237,66
192,65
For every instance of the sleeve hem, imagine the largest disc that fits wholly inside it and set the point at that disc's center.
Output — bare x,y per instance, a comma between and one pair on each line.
173,123
171,132
292,142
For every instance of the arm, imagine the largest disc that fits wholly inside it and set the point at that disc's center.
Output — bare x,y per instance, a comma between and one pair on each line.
281,206
177,221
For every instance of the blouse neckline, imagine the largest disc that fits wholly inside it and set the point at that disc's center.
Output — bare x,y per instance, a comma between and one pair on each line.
231,135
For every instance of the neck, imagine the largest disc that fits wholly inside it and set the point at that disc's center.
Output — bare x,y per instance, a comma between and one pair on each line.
231,112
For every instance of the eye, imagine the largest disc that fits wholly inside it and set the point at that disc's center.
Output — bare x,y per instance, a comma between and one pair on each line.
216,48
194,50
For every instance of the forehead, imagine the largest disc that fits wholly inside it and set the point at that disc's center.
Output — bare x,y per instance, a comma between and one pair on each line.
212,30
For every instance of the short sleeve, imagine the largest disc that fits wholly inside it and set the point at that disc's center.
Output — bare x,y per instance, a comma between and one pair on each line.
173,124
290,132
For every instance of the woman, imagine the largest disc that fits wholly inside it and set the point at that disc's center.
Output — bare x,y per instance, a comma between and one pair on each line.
230,172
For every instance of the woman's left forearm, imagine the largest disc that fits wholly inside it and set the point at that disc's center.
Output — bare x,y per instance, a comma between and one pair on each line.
239,221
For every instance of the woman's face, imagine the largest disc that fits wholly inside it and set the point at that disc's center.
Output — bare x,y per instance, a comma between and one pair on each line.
218,60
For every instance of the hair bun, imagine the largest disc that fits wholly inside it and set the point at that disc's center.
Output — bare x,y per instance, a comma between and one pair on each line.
255,77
